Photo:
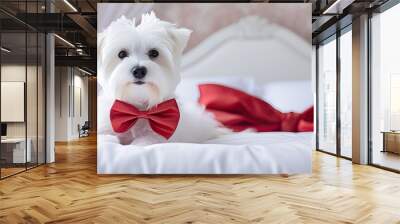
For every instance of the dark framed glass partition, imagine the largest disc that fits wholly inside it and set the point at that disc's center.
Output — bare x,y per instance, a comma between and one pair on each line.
384,100
345,93
334,89
327,95
334,94
22,77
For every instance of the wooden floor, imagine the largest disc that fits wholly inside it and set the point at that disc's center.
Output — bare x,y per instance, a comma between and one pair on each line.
386,159
70,191
5,172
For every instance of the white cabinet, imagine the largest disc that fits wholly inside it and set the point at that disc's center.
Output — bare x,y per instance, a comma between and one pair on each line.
16,149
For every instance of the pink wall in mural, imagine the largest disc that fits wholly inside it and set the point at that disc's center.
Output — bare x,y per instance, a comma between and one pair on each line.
214,16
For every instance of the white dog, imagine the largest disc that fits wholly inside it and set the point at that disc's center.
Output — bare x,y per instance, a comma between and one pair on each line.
139,65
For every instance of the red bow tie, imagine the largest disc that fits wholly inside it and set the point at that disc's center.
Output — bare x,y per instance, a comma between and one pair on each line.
163,118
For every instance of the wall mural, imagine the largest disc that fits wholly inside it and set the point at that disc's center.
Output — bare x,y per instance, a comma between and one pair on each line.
204,88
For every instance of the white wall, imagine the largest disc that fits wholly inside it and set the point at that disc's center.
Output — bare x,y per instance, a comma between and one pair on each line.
17,73
62,81
70,83
80,103
14,73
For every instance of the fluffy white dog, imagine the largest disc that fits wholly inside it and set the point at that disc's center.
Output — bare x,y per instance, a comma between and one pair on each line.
139,65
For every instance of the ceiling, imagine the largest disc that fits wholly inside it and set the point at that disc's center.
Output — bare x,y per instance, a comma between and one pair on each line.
75,21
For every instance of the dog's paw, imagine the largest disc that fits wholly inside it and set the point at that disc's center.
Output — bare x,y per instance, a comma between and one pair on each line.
147,141
249,130
223,131
108,138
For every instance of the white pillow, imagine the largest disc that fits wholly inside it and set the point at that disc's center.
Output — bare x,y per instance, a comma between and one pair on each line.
288,96
188,90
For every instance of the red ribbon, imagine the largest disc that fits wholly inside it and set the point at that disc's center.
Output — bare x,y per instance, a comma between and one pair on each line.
239,111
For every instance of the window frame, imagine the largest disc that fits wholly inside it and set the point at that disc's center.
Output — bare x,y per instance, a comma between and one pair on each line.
334,37
371,13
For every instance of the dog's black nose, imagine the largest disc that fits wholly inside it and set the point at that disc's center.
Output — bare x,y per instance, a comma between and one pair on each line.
139,72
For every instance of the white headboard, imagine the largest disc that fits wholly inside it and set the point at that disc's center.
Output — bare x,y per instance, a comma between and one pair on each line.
251,47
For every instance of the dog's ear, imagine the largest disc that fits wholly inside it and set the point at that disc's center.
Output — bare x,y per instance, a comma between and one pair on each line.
180,37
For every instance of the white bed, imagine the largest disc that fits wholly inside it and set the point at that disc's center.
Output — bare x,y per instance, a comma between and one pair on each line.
239,153
276,60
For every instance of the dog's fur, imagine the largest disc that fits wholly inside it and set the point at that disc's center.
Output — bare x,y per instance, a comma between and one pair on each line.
117,82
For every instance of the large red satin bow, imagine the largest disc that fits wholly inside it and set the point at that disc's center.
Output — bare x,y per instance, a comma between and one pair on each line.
163,118
239,111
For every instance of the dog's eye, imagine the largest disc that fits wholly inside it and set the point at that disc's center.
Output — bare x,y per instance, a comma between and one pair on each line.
153,53
123,54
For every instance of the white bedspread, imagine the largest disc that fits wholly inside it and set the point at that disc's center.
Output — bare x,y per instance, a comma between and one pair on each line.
239,153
